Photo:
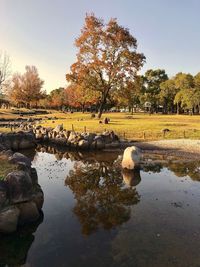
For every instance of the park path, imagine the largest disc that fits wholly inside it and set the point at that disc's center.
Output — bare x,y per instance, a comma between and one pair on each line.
186,148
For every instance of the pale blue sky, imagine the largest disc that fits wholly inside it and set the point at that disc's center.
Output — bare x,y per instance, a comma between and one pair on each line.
42,32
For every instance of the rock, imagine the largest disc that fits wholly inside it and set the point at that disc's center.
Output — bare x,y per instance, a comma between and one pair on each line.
112,145
18,158
46,138
39,136
99,143
54,134
28,212
72,137
83,144
38,197
28,141
58,128
90,137
3,194
131,158
2,147
66,134
34,176
109,137
19,186
9,219
18,140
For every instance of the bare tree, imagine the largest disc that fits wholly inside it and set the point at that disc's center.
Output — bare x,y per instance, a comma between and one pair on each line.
5,69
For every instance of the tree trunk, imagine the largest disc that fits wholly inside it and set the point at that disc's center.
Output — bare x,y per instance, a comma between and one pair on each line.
177,108
83,108
132,110
101,108
103,102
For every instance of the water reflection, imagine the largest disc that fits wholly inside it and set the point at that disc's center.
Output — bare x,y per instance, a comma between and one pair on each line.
154,215
14,247
102,199
131,177
181,169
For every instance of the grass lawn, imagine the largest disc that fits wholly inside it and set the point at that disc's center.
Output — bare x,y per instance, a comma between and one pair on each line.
135,127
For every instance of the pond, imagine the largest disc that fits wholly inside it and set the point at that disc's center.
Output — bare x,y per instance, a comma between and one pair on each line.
95,215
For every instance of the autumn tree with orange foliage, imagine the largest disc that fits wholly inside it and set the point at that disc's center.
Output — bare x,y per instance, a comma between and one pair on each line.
58,98
26,89
107,58
80,97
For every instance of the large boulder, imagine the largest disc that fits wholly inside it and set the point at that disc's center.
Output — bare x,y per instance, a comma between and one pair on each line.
28,141
131,158
83,144
109,137
3,194
34,176
28,212
38,197
20,158
98,143
18,140
9,219
19,186
90,137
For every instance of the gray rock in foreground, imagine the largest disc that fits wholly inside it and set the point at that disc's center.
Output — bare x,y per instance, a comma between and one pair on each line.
21,197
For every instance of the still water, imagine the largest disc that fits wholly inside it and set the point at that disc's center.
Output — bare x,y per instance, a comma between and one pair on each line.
95,215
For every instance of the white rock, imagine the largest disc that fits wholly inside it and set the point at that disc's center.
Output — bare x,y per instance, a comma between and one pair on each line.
131,158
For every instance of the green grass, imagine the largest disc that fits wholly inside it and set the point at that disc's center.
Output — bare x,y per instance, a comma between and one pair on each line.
138,126
132,127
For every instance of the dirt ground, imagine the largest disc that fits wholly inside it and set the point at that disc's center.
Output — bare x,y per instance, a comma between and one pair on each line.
183,148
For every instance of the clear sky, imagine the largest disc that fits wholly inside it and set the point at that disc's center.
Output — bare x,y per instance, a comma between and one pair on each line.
42,33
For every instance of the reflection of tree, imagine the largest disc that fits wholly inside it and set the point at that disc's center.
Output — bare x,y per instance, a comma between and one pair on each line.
191,169
152,167
180,169
102,198
14,247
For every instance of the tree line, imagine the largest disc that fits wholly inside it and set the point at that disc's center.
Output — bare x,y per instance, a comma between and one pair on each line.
106,74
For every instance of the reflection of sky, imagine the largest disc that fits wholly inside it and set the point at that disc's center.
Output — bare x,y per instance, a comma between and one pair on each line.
164,226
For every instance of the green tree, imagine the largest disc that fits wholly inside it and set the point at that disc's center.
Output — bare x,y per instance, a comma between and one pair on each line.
107,58
183,81
167,94
184,99
197,90
151,89
130,95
